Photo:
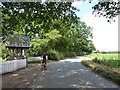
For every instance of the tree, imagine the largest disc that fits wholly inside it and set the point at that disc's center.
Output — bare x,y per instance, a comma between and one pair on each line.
109,9
53,37
31,17
56,25
106,8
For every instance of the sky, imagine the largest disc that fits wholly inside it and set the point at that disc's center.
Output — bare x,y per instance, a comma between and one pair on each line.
105,35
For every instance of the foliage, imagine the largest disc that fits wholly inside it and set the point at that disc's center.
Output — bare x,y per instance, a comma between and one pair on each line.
4,51
31,18
37,46
107,9
53,35
105,71
54,55
70,54
53,27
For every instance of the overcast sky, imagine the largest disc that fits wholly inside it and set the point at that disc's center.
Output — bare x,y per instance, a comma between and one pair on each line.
105,35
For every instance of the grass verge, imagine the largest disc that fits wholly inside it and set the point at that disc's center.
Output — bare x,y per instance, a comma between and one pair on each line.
112,74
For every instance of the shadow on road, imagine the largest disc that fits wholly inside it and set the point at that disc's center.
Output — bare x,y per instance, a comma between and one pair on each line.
69,73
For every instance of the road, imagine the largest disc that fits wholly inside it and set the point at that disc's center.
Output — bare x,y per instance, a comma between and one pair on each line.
69,73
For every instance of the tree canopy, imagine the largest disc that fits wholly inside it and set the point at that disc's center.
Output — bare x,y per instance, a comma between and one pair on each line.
108,9
30,17
51,26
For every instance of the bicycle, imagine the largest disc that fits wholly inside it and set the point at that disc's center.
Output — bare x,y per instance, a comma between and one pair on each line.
43,66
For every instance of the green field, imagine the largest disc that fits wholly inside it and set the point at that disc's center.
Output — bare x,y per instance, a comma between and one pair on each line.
111,60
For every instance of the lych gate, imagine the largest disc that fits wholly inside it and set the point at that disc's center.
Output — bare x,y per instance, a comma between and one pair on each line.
17,45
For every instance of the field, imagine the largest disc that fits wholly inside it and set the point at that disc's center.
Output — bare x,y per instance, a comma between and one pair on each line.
112,59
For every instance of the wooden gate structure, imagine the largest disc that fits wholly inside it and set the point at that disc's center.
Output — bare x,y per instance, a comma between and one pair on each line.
17,46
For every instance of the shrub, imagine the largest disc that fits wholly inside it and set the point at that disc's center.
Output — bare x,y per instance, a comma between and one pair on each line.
54,55
70,54
79,53
4,52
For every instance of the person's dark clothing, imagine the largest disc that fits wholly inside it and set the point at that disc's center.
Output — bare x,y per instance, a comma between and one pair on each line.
44,59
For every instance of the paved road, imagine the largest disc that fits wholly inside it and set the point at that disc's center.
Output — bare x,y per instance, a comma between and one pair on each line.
69,73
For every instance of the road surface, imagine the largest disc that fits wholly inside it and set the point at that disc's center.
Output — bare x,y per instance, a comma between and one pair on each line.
69,73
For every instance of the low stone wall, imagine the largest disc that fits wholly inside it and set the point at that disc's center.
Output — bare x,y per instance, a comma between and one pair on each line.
36,58
13,65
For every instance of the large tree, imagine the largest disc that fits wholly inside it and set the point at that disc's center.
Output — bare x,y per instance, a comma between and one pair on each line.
50,25
31,17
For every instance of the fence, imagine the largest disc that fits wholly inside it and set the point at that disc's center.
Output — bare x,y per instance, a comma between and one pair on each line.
10,66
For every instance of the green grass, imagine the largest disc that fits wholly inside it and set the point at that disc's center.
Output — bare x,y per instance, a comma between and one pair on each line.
107,65
111,60
110,73
106,56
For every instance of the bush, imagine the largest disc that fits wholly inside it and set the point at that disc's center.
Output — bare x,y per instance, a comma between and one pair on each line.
54,55
4,52
80,53
70,54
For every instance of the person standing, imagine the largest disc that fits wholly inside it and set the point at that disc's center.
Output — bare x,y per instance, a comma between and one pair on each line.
44,61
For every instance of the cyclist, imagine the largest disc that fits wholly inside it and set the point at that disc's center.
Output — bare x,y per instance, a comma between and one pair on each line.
43,61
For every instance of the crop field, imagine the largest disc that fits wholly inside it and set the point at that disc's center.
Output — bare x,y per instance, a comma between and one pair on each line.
112,60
